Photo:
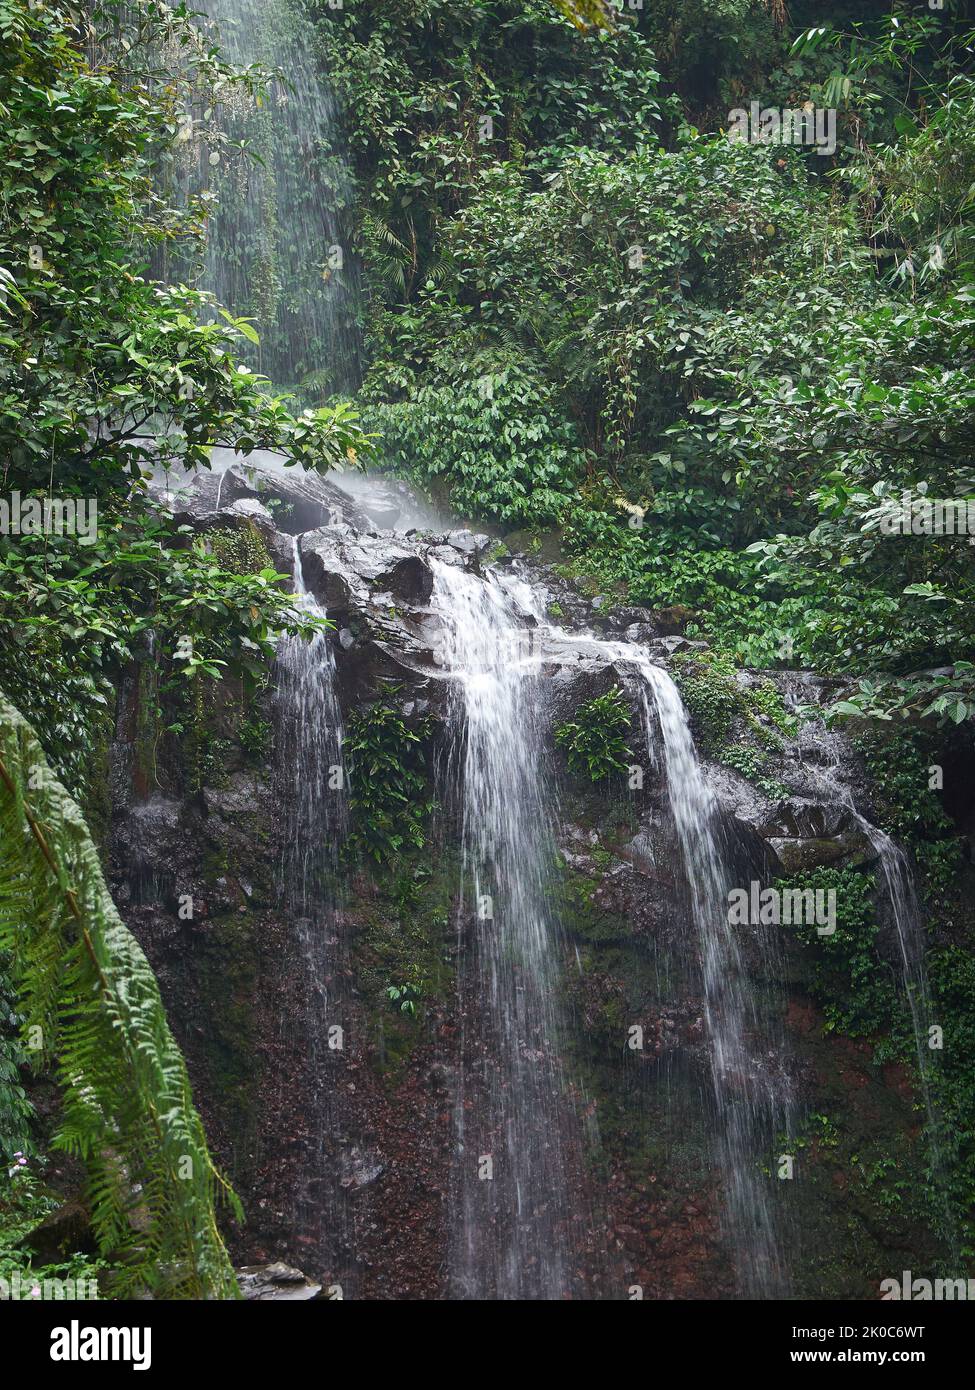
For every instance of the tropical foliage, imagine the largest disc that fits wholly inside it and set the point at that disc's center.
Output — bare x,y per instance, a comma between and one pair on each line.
90,1008
595,740
714,365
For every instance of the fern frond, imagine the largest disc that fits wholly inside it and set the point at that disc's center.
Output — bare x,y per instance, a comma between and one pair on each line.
84,981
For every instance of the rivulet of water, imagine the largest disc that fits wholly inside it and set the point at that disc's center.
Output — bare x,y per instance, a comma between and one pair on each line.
908,921
312,785
751,1098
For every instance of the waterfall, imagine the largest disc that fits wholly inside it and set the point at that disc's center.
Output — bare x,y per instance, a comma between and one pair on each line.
750,1096
316,804
277,250
908,922
313,796
512,1219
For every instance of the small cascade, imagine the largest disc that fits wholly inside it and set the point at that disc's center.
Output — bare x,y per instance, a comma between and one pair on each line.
906,917
513,1222
314,799
909,925
752,1098
277,250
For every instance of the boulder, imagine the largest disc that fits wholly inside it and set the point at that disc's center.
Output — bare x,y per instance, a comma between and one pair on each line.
798,855
276,1283
801,817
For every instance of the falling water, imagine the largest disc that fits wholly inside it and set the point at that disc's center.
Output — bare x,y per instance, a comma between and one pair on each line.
512,1215
314,801
908,922
276,246
751,1097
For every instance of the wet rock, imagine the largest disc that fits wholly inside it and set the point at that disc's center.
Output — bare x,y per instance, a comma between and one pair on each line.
383,507
282,551
750,854
446,554
63,1232
802,687
331,584
254,511
641,634
839,851
211,489
640,852
360,1167
673,620
801,817
309,500
671,644
234,801
623,617
276,1283
574,674
410,578
302,499
343,573
467,542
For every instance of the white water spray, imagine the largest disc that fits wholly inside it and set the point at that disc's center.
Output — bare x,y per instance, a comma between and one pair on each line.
514,1223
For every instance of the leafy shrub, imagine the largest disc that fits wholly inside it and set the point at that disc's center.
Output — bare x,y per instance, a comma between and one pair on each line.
595,741
494,439
387,782
850,980
753,764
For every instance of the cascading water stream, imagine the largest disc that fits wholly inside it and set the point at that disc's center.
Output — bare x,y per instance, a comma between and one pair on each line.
749,1098
907,918
316,802
314,798
276,245
513,1223
276,253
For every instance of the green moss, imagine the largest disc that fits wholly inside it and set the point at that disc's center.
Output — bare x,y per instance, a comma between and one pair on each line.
718,704
498,551
241,550
712,695
590,584
766,699
402,944
754,764
849,978
228,982
908,807
255,733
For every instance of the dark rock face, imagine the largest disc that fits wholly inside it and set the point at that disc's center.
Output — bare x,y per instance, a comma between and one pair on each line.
836,851
202,823
302,500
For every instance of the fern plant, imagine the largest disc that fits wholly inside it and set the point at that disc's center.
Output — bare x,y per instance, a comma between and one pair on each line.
92,1012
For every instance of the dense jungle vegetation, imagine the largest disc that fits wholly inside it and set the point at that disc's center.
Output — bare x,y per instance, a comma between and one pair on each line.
701,372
